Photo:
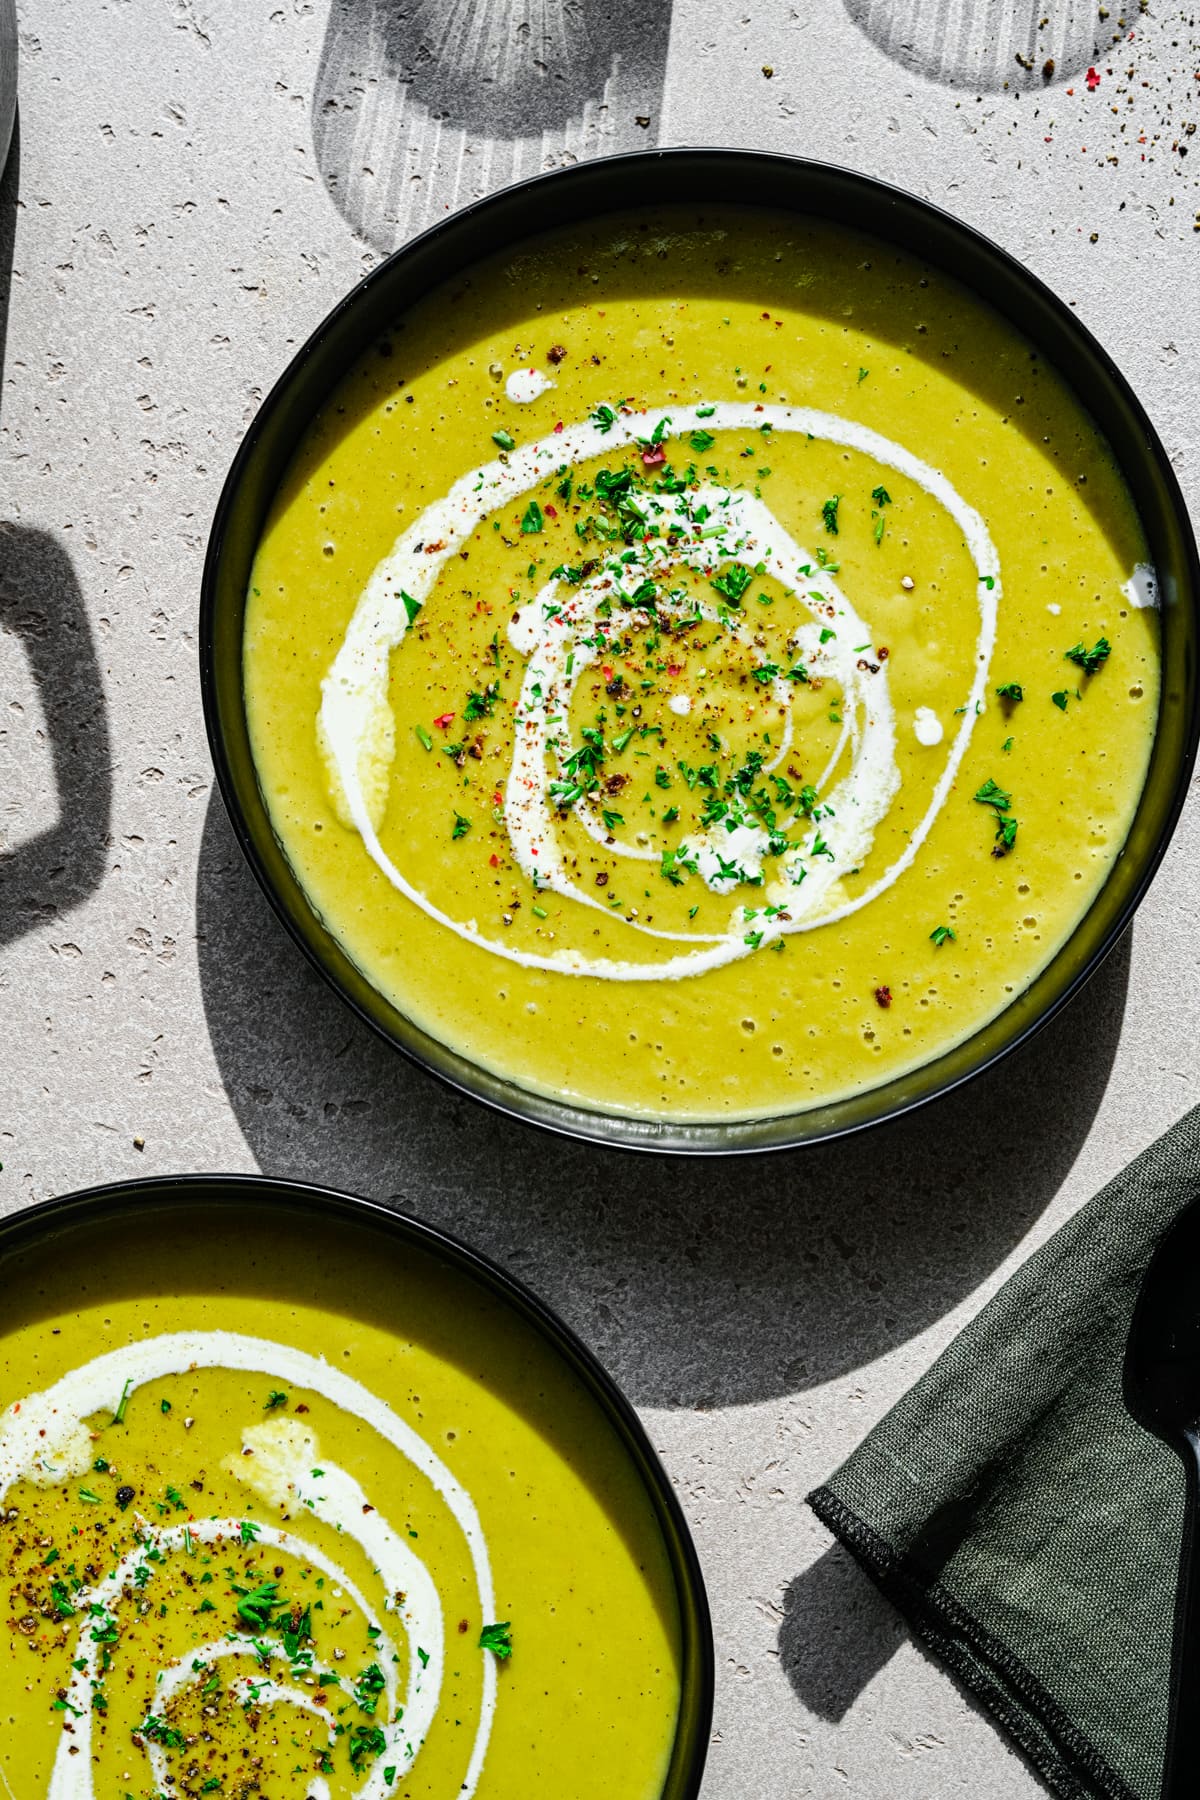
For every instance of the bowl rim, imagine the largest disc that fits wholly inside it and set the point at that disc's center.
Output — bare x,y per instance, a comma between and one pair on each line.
863,1107
117,1201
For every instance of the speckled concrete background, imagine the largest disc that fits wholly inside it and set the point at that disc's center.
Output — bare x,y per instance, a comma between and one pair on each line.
195,182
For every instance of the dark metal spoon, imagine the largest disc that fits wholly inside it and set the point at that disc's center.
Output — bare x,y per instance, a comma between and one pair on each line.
1162,1391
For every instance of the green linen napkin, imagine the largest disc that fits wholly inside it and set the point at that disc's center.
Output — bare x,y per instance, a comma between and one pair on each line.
1022,1522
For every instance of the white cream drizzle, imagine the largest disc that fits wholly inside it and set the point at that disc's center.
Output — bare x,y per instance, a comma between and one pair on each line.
34,1429
927,727
1141,590
356,728
526,385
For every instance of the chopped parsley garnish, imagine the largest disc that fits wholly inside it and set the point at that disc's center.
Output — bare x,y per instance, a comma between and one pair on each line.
118,1417
423,738
532,521
1090,660
1011,690
248,1531
159,1732
275,1398
990,794
1060,699
365,1741
675,860
505,440
733,584
604,418
61,1598
367,1689
461,826
481,706
701,441
497,1639
829,513
412,607
257,1605
941,934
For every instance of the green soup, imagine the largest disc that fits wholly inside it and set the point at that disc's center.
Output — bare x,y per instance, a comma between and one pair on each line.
294,1511
701,667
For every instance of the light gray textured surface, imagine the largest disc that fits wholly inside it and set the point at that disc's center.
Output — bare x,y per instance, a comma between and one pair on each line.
176,235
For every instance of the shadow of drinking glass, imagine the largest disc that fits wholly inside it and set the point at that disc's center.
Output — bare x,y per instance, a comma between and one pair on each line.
986,44
423,105
700,1284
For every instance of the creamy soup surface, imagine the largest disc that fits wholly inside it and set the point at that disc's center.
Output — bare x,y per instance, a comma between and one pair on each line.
293,1512
702,666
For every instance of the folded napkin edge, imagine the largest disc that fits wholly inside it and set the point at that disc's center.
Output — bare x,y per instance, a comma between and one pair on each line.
1070,1765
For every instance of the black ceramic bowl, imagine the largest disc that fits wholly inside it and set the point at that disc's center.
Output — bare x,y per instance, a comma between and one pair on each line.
706,177
155,1201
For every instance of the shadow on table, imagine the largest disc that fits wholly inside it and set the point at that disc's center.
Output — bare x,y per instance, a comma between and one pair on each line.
838,1632
422,105
10,187
700,1284
42,876
987,44
45,874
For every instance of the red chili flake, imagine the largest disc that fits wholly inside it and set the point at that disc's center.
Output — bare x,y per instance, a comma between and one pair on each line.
884,996
496,799
494,860
551,512
674,668
653,456
606,671
444,721
1093,80
559,426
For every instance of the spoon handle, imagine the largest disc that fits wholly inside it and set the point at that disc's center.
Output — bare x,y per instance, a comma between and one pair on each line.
1181,1770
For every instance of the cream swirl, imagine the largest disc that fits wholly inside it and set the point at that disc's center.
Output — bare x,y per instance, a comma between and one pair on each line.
39,1437
559,633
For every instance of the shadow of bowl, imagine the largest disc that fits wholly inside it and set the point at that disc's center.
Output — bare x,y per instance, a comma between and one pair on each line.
986,45
419,108
698,1284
